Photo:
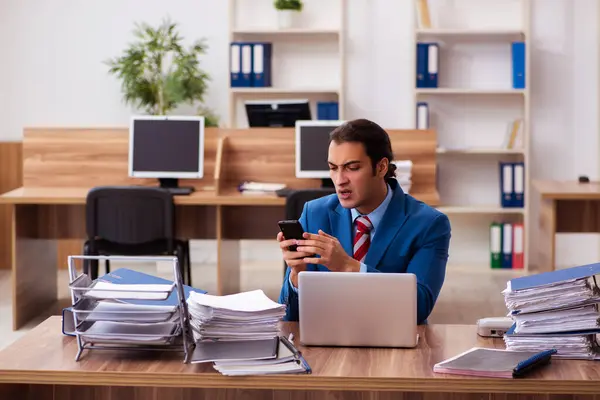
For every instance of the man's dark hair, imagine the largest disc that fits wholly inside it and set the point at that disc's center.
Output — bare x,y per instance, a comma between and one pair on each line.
373,137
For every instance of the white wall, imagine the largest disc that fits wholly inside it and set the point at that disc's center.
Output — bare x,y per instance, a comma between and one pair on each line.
51,71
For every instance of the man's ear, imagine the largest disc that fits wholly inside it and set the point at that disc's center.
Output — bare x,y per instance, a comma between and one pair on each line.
382,167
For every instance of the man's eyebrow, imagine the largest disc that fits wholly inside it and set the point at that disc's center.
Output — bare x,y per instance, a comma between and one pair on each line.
347,163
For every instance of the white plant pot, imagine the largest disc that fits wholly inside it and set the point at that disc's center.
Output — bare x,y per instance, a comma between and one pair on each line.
286,18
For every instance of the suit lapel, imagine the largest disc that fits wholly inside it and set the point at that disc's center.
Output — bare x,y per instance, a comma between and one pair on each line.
392,221
341,225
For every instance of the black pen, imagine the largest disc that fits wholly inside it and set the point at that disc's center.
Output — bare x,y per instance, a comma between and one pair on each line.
290,346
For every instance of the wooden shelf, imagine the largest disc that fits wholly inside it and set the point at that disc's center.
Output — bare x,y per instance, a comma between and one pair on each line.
287,32
481,151
476,34
274,90
473,91
477,209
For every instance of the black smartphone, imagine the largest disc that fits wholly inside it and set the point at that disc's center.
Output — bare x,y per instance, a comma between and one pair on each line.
291,229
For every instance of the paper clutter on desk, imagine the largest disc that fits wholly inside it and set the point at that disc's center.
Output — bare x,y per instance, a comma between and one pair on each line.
243,316
555,310
260,187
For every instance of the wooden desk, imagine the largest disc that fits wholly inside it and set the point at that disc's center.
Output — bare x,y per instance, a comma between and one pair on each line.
60,166
565,207
41,365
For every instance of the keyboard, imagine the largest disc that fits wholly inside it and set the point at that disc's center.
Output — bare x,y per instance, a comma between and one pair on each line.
283,192
181,191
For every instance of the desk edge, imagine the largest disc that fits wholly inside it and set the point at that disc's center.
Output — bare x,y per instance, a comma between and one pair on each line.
443,384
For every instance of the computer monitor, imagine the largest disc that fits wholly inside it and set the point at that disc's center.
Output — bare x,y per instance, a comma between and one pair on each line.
276,113
168,148
312,148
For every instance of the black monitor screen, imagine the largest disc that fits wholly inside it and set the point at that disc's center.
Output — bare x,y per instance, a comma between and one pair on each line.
166,146
314,147
277,114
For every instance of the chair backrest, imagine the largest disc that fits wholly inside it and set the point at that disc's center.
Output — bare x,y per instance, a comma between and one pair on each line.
130,214
296,199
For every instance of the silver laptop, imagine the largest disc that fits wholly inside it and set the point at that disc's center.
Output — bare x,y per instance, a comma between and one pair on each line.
357,309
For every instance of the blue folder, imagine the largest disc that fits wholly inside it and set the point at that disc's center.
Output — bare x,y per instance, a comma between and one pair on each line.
129,276
511,332
422,49
235,64
246,61
561,275
507,184
433,64
518,65
261,64
327,110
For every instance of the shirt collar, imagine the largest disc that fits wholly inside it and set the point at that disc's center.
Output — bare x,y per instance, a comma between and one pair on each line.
377,214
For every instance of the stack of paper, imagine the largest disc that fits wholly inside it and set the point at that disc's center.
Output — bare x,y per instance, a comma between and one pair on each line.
260,187
404,174
560,320
555,310
243,316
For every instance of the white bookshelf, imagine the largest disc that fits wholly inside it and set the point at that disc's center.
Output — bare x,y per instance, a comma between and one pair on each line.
478,151
470,91
308,60
471,110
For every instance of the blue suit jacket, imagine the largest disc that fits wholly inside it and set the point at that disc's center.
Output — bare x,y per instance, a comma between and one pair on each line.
412,237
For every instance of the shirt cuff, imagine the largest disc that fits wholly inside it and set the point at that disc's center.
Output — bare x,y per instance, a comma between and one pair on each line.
292,285
363,267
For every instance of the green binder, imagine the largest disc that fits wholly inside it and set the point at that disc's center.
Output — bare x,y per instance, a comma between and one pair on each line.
495,245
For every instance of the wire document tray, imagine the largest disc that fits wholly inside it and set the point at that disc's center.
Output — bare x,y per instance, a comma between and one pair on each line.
110,316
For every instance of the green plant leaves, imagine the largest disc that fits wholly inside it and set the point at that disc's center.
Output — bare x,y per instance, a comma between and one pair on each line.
158,72
294,5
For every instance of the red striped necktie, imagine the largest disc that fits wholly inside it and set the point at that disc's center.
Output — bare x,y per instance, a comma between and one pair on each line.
362,238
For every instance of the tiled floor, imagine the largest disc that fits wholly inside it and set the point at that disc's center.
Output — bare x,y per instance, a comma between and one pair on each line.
468,294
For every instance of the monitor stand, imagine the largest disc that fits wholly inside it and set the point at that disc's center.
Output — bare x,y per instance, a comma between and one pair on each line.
327,183
172,185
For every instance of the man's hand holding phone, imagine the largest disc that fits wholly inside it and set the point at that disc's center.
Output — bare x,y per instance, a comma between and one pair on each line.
294,259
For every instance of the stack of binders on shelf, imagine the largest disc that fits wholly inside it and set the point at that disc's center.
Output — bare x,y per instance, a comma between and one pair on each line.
427,65
250,64
512,184
507,245
555,310
126,309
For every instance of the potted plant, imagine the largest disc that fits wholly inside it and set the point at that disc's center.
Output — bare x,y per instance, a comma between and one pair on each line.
287,10
158,73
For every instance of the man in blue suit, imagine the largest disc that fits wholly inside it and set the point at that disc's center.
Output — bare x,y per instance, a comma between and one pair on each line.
369,225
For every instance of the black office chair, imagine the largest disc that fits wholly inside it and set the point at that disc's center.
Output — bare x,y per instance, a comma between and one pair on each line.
295,200
132,221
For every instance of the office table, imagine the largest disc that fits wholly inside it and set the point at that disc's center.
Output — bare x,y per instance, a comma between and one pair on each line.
43,215
565,207
41,365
